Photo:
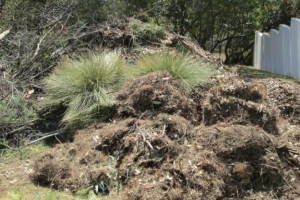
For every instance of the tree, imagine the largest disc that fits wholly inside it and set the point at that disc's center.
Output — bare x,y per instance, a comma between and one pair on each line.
2,3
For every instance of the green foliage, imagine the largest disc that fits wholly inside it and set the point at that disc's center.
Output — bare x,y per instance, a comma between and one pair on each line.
27,152
217,25
221,26
20,195
188,70
147,32
86,86
17,114
15,110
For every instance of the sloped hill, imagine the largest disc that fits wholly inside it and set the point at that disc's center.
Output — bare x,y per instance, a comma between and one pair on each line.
234,137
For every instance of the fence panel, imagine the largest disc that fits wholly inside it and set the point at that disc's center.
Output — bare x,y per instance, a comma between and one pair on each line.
286,51
258,49
279,50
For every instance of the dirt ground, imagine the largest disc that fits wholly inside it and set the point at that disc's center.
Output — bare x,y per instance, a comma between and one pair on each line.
237,137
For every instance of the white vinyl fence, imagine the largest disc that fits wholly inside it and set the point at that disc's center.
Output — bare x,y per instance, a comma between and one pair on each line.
279,50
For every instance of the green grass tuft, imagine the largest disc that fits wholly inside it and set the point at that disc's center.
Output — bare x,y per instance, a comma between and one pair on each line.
146,31
27,152
86,86
188,70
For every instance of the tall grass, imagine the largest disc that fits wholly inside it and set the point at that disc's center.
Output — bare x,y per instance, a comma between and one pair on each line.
189,70
85,85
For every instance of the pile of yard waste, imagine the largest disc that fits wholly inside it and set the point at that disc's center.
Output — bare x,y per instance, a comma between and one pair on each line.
231,138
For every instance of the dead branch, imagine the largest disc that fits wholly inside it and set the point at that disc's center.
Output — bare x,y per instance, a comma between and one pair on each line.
52,134
4,34
40,42
198,50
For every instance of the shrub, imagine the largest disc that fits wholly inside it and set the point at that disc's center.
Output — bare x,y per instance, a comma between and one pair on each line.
17,115
188,70
15,111
146,31
85,86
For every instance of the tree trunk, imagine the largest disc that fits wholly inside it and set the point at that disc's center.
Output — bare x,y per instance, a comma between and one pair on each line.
2,3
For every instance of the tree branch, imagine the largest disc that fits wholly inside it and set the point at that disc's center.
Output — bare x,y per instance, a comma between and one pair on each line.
4,34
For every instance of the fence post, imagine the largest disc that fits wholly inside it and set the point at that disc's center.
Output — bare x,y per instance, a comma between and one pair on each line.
286,51
266,44
274,61
295,44
258,50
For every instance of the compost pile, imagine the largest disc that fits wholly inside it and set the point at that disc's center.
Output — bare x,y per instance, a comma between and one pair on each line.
230,139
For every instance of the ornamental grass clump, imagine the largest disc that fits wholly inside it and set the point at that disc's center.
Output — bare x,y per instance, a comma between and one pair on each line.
86,86
190,71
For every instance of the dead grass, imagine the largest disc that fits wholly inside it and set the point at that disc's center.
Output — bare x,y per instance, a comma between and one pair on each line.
15,167
158,92
239,103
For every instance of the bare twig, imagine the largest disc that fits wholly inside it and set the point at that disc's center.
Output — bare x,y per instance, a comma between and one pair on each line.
52,134
17,130
4,34
43,71
40,42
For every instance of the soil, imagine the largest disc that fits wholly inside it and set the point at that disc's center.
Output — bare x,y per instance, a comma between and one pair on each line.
231,139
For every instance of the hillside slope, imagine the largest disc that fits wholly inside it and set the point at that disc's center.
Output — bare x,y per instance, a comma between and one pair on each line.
235,137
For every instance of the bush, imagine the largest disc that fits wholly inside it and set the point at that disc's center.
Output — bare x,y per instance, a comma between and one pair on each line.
188,70
17,115
146,31
34,14
15,111
86,86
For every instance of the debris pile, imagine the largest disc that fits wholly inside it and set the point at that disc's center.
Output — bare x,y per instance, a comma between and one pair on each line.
225,142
